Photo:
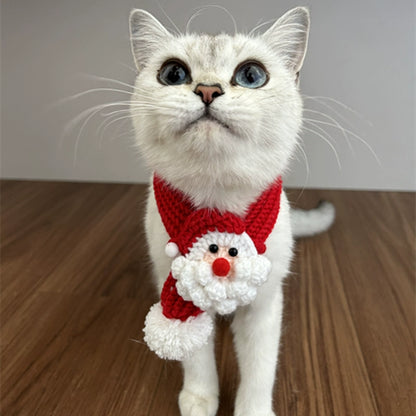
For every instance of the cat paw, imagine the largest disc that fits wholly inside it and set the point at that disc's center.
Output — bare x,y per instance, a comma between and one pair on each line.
191,404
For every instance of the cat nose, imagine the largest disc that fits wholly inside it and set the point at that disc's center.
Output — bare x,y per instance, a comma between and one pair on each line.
208,92
221,267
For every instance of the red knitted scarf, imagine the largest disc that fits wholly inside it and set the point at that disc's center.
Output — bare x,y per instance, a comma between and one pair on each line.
185,225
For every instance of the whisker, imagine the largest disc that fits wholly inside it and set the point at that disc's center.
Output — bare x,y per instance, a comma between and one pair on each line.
88,114
170,20
259,26
80,134
326,141
110,122
213,6
193,16
352,134
341,104
323,131
300,147
82,93
332,109
333,120
114,115
98,107
101,135
100,78
128,67
127,110
152,105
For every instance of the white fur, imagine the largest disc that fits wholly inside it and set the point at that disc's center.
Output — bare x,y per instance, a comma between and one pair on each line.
206,161
224,168
308,223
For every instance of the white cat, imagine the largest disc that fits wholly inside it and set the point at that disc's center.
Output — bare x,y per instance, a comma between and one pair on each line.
218,117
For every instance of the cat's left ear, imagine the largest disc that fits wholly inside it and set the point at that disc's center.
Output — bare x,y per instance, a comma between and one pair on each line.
289,37
147,34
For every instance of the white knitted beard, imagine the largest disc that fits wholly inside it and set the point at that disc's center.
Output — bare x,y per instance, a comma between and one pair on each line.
197,283
205,159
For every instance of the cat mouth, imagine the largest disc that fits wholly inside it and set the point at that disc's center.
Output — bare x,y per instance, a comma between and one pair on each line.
207,116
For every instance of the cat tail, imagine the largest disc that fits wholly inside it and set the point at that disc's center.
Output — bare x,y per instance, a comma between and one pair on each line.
310,222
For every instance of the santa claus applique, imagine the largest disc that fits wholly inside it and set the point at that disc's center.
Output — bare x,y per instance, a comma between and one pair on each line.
218,264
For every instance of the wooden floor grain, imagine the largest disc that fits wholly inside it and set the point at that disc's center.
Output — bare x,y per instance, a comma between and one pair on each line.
75,289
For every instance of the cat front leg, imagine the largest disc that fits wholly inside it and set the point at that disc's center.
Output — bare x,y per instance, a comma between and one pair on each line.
199,395
256,336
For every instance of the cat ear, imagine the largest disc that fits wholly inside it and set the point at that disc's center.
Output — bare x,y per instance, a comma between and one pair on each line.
289,37
146,35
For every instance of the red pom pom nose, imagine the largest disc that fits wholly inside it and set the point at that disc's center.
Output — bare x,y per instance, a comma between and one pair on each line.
221,267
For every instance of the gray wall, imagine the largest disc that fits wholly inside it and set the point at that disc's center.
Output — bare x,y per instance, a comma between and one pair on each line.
361,53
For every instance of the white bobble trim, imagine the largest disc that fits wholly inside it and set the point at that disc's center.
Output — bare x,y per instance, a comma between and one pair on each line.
174,339
171,249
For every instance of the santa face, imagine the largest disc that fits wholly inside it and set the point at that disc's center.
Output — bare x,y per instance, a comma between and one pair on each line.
220,272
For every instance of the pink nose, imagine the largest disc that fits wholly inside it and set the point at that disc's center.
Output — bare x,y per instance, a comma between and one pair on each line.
208,92
221,267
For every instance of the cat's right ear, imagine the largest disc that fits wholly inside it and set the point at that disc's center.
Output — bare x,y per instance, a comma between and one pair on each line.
146,36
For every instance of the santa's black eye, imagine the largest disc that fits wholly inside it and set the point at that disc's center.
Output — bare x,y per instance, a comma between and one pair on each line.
213,248
174,73
232,251
250,75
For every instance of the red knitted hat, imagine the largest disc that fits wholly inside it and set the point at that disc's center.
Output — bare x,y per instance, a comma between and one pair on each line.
203,221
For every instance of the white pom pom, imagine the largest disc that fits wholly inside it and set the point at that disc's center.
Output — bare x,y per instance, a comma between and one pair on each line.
174,339
171,249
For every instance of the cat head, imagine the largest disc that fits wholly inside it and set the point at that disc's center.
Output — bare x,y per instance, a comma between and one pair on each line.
218,109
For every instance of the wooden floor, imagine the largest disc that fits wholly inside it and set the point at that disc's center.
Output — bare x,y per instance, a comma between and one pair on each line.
75,289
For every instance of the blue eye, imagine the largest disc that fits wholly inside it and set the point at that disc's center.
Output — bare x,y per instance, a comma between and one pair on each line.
174,73
250,75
